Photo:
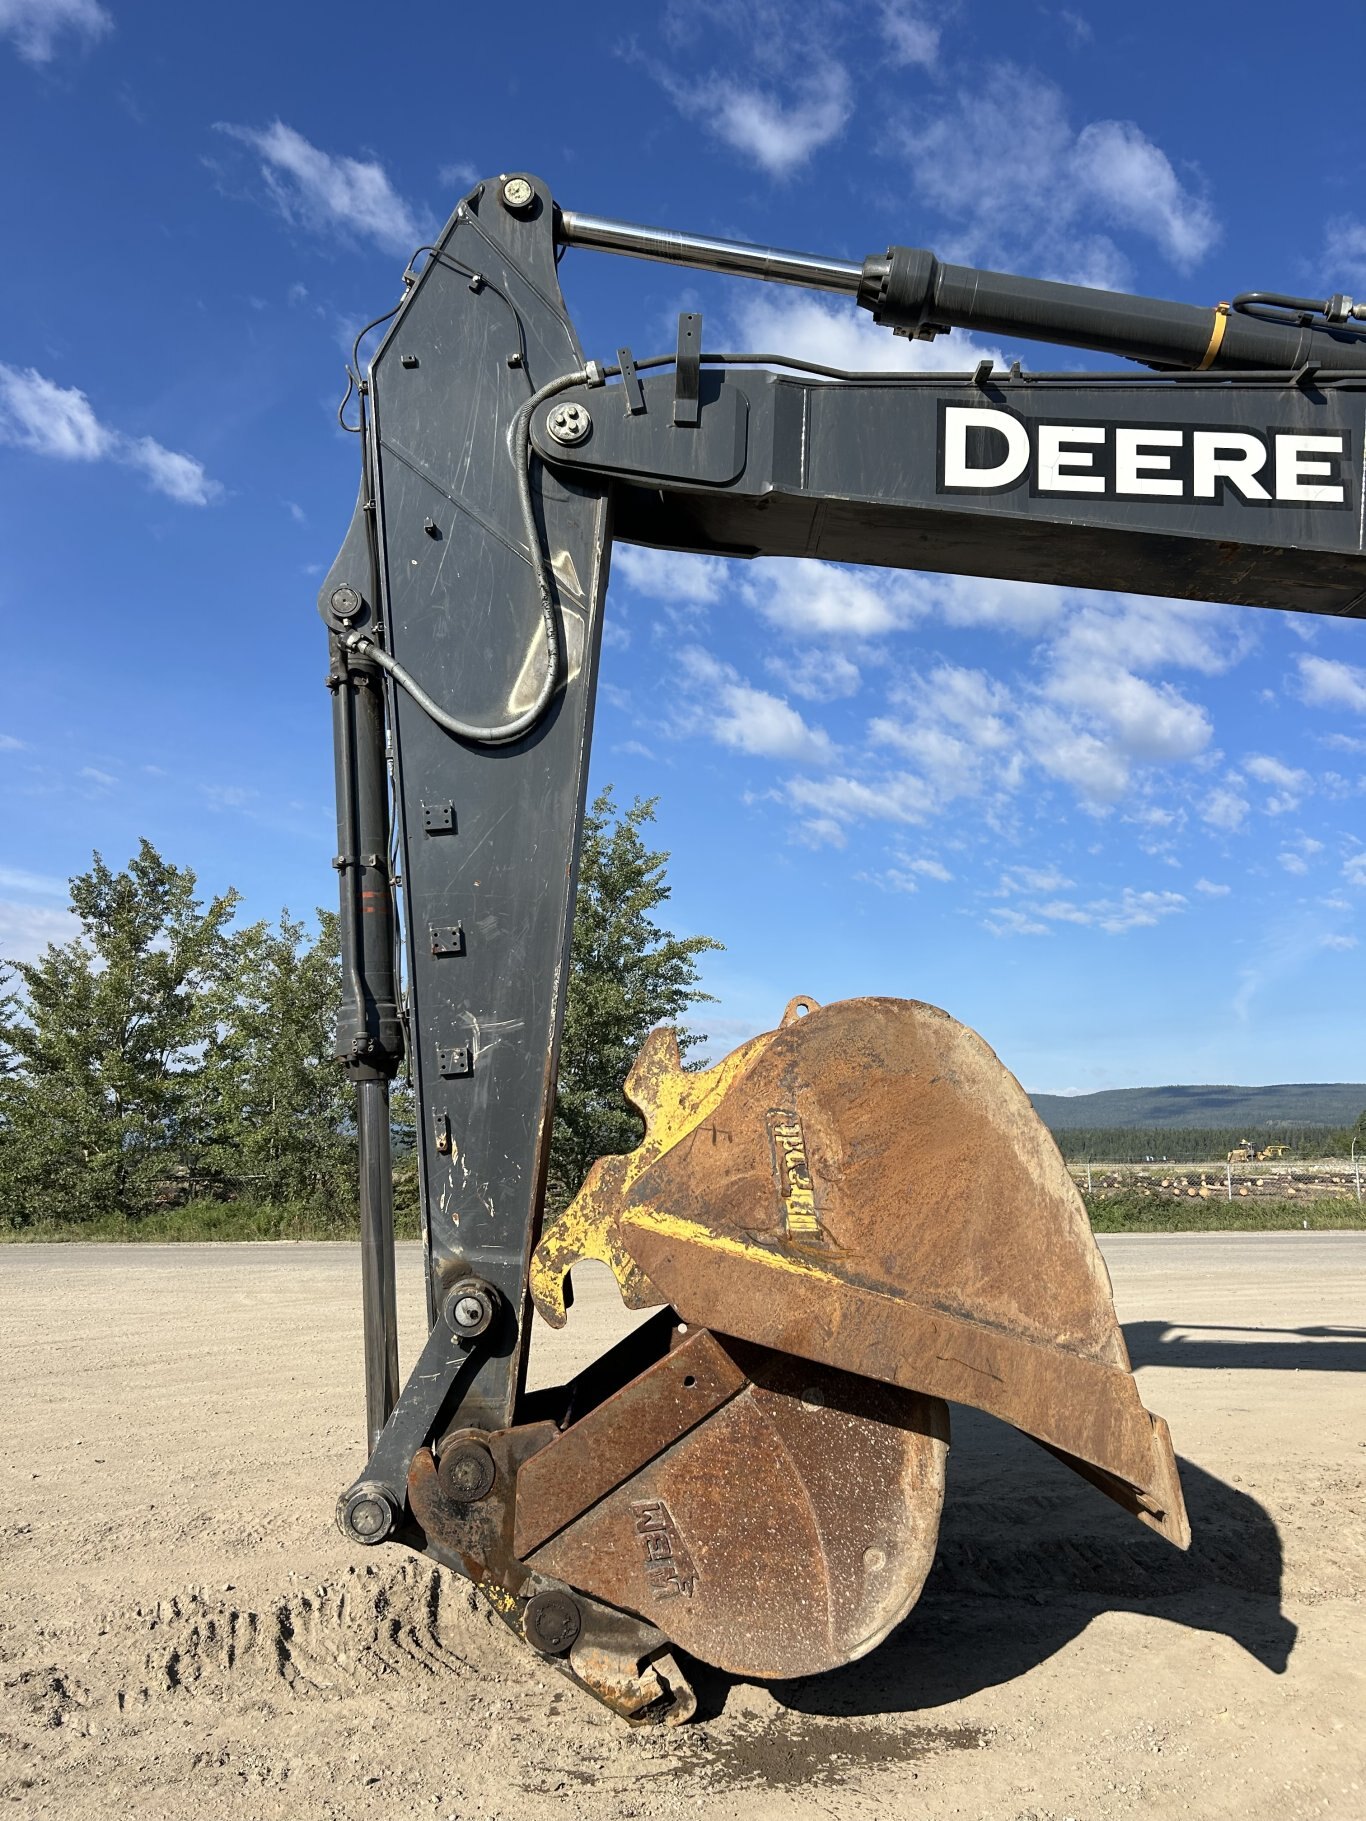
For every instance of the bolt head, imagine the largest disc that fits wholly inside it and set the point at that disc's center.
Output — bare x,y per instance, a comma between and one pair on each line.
551,1622
466,1473
518,194
569,423
470,1307
367,1515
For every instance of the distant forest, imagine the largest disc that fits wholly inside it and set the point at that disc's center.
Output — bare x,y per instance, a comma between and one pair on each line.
1260,1112
1201,1144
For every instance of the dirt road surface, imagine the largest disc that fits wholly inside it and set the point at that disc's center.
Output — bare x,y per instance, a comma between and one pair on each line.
183,1633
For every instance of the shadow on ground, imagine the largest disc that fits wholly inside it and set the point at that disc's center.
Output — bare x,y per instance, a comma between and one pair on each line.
1316,1349
1029,1555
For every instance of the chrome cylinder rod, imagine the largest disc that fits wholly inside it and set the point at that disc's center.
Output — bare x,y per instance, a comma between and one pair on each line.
378,1302
708,254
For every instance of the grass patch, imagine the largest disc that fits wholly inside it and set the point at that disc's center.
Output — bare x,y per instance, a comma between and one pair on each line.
198,1221
1122,1212
235,1221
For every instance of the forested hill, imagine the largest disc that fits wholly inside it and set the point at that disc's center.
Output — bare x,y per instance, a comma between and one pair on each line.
1326,1103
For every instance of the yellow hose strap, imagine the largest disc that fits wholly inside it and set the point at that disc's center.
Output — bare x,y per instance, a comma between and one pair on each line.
1216,337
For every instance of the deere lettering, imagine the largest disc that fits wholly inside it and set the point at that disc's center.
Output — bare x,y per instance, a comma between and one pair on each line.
984,449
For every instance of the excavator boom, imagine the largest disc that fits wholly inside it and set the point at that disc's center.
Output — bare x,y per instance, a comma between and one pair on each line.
856,1218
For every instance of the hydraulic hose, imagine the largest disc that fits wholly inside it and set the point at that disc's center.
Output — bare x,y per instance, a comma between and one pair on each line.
513,729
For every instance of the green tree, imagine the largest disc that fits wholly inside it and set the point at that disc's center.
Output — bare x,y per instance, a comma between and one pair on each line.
10,1012
626,976
103,1085
280,1106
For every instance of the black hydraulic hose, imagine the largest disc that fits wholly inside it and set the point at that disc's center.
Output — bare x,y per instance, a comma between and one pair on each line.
513,729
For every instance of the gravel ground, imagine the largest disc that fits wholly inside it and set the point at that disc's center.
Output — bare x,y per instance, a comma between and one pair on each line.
183,1632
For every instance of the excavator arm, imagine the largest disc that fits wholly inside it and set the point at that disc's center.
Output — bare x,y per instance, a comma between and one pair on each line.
855,1217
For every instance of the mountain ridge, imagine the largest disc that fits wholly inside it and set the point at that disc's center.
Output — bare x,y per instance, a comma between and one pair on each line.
1330,1103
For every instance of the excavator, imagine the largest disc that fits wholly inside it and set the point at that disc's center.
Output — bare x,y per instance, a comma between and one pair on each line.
855,1219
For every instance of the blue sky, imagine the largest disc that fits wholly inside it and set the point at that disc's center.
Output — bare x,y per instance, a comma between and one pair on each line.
1125,839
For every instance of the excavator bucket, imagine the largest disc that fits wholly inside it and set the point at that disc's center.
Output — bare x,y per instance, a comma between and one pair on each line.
850,1220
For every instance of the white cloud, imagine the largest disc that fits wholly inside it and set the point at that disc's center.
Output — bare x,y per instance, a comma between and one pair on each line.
1083,719
1344,253
770,79
1097,771
1342,942
1031,879
907,872
42,885
1133,182
36,25
955,725
1327,683
1136,910
1209,889
328,193
1063,910
102,780
840,334
1079,30
926,867
228,796
1223,808
38,414
1288,785
1143,633
1007,922
778,130
1293,862
1023,607
908,34
1002,157
8,743
1148,721
1354,869
748,719
897,880
902,797
179,477
806,598
816,675
457,176
969,699
26,929
1131,910
670,575
60,422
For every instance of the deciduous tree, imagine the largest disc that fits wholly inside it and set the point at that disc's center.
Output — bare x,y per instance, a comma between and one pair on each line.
103,1094
280,1106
